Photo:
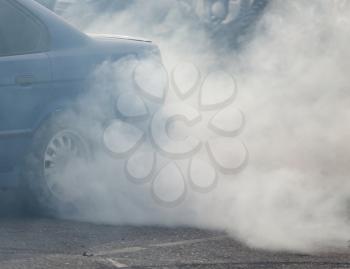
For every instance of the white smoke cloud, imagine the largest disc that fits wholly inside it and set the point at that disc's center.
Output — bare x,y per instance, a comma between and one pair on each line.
293,89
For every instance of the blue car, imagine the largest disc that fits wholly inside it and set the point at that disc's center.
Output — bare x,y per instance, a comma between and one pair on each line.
44,66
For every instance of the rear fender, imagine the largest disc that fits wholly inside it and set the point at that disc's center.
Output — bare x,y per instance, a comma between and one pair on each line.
53,110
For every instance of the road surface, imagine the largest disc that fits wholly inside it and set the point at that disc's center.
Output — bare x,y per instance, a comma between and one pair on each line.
44,243
28,242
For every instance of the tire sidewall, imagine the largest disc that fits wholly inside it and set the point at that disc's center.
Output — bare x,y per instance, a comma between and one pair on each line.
39,198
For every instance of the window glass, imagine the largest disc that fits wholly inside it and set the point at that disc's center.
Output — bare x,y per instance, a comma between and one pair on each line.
20,33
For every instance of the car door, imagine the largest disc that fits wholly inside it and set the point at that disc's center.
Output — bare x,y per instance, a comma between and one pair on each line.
25,77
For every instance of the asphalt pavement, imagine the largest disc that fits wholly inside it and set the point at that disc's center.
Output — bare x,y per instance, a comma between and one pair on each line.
29,242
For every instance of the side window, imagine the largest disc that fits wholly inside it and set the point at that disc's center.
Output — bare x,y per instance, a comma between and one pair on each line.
20,33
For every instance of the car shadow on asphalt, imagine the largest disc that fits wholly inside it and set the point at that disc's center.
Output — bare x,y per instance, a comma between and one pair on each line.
12,204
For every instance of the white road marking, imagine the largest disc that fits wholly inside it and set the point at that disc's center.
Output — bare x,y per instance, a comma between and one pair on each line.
160,245
117,264
120,250
187,242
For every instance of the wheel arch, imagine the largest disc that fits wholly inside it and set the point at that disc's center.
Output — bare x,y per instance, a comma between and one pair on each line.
53,110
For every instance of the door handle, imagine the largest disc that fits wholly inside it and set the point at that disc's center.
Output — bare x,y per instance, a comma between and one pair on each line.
25,80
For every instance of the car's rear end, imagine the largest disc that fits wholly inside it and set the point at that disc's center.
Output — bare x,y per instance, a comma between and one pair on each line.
59,130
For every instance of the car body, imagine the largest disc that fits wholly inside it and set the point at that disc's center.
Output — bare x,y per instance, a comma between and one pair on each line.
44,66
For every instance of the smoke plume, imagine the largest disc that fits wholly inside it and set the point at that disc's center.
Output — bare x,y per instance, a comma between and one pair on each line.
292,86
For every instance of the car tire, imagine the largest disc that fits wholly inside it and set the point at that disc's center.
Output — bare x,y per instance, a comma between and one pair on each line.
40,198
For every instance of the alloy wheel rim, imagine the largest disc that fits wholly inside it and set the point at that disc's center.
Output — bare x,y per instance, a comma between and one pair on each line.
64,148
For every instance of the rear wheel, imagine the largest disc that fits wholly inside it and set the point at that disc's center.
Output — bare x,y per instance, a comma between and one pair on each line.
52,174
65,148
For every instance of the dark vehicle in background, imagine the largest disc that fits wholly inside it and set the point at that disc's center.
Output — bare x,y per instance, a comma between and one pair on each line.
44,66
225,21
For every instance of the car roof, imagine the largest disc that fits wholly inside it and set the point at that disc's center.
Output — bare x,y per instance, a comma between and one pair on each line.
62,34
